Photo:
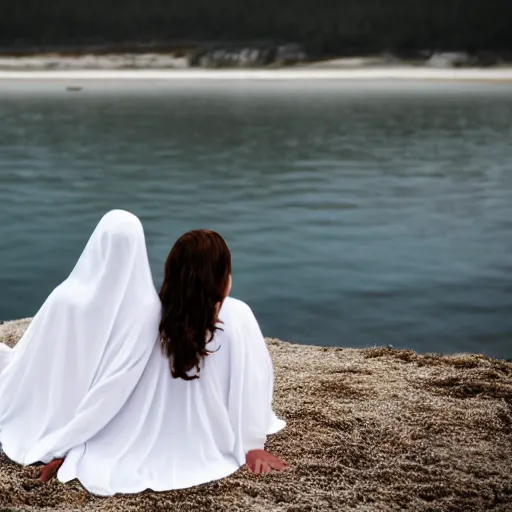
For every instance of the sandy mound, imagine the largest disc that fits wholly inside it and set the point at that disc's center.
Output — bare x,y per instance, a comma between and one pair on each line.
368,430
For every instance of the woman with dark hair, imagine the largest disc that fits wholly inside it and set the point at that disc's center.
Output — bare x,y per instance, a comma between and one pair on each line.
197,280
126,392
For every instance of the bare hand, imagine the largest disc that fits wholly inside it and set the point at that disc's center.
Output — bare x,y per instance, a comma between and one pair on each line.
261,462
50,470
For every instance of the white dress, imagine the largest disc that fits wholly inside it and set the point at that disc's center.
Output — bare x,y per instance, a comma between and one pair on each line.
88,381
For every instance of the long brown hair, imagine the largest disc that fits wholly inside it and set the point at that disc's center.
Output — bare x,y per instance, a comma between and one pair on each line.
197,273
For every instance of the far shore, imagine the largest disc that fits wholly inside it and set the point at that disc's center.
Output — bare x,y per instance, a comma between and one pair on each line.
295,73
153,66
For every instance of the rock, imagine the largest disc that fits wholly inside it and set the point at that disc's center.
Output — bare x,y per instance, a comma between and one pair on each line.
449,60
242,56
289,55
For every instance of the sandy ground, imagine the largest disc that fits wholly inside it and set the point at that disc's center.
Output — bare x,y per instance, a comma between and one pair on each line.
385,73
368,430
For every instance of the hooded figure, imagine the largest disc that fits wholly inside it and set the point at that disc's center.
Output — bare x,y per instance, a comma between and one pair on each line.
85,350
89,381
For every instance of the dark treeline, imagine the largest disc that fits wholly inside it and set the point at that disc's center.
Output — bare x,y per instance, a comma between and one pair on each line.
322,26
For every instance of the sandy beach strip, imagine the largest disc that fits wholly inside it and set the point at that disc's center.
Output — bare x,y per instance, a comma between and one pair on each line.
498,75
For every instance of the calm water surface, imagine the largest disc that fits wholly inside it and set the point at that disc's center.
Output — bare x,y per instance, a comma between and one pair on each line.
357,214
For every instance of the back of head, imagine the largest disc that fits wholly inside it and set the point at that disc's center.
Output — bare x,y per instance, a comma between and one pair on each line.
117,240
197,277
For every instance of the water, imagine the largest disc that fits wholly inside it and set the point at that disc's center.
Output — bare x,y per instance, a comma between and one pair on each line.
356,214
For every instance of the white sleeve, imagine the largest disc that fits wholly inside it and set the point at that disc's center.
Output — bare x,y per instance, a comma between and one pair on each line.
251,384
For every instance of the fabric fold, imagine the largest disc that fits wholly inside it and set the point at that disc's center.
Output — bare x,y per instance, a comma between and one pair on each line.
5,356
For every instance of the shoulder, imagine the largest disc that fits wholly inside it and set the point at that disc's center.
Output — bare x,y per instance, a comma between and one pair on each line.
237,319
234,310
237,305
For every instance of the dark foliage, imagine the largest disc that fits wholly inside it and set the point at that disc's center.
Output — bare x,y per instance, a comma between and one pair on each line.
323,27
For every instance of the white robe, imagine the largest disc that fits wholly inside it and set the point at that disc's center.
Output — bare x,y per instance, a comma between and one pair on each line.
88,381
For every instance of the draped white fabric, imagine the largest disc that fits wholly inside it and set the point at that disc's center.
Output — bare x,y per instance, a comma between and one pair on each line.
5,356
85,350
88,381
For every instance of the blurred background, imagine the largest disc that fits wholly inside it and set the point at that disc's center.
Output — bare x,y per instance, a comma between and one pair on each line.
358,211
323,27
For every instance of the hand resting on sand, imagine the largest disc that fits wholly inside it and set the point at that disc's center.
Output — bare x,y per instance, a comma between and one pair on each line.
50,470
260,462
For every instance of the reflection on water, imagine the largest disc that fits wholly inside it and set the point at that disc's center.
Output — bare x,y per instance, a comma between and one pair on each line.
356,215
